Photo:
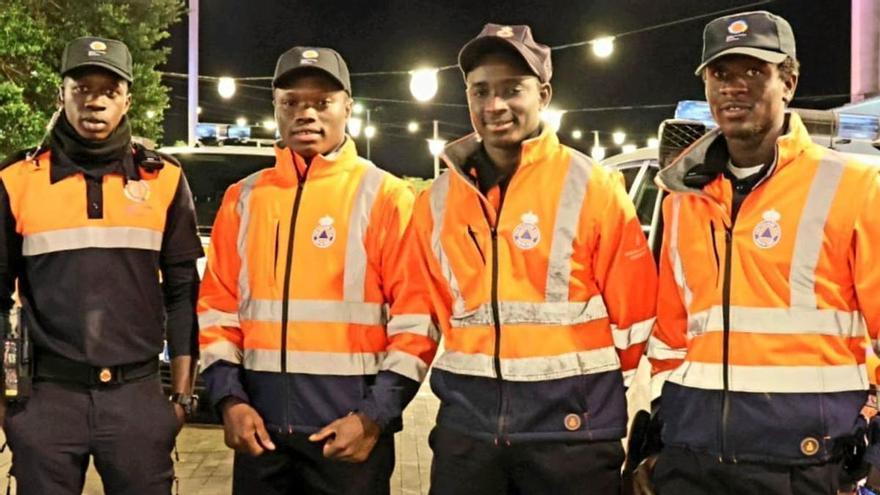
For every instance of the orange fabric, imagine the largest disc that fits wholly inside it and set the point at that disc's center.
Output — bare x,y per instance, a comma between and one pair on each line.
609,254
119,211
318,271
847,275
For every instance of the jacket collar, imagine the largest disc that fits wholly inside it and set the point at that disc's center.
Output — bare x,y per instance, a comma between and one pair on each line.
62,167
290,166
706,158
457,153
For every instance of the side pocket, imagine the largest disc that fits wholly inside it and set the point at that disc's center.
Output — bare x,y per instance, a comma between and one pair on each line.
476,242
275,256
715,251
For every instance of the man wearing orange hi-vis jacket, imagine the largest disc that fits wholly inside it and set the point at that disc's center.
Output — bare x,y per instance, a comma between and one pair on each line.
300,351
542,282
769,281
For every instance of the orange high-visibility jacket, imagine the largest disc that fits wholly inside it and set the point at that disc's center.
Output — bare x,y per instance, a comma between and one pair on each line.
544,305
294,306
761,316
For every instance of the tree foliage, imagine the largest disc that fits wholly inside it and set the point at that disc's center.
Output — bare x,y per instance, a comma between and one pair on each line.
33,34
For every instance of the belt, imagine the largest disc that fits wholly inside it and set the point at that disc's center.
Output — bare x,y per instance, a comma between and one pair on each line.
58,369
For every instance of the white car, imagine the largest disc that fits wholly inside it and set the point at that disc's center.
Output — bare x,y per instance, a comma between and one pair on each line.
210,170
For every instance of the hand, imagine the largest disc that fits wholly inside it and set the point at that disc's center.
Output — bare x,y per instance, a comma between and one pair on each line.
243,428
349,439
642,484
180,414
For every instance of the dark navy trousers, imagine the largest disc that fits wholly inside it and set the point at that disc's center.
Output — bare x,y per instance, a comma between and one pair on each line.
683,472
298,466
128,429
464,465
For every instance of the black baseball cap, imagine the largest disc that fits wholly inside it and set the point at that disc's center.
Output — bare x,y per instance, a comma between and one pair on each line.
310,58
758,34
91,51
497,37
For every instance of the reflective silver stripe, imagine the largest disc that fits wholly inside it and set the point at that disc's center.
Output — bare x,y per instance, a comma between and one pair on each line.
243,208
675,254
568,214
414,324
638,333
314,363
439,190
769,379
220,350
657,382
91,237
549,313
808,243
405,364
212,317
355,271
628,376
657,349
783,321
314,311
531,369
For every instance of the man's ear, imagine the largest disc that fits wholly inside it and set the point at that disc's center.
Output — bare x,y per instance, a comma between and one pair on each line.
790,86
545,92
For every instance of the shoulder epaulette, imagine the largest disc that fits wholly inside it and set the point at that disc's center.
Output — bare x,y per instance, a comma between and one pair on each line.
16,157
169,158
150,160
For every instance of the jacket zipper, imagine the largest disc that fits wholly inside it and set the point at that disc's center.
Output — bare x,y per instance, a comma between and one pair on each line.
496,318
285,301
473,236
725,311
736,204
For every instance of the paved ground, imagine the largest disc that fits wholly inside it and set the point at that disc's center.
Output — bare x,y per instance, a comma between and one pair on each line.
205,465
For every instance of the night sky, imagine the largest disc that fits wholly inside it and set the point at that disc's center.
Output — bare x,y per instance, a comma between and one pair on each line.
647,68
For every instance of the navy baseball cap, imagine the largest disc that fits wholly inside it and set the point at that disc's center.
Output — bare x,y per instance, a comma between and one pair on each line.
498,37
304,58
91,51
758,34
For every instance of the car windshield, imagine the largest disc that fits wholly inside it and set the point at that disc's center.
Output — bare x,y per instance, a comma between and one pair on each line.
209,174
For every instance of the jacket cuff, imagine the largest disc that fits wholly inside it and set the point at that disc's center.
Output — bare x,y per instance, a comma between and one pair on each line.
223,379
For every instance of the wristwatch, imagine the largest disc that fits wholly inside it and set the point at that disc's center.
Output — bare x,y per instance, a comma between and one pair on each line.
189,402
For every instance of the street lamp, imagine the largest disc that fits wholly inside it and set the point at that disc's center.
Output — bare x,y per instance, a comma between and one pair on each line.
270,124
628,148
435,147
552,117
412,127
355,124
618,137
603,47
423,84
369,132
577,134
358,108
151,114
241,121
653,142
597,151
226,87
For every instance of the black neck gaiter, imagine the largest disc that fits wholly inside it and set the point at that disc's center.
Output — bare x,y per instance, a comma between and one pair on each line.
86,153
